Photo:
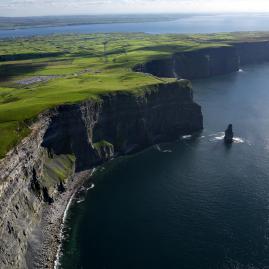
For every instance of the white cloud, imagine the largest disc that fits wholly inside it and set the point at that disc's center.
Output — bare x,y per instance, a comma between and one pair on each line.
55,7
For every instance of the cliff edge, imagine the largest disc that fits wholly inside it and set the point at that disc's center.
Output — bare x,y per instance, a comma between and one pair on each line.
76,137
208,62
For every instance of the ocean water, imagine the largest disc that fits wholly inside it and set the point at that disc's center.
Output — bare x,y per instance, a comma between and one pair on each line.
191,204
191,24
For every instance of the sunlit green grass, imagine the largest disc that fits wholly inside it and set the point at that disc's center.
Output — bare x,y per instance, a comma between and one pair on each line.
11,133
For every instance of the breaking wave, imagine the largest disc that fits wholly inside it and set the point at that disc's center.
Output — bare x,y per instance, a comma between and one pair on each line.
220,136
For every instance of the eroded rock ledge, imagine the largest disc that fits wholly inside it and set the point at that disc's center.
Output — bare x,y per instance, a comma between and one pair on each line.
73,138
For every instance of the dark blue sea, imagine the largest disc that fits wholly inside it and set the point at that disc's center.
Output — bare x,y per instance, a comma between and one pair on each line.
191,204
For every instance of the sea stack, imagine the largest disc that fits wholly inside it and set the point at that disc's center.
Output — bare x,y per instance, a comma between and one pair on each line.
228,138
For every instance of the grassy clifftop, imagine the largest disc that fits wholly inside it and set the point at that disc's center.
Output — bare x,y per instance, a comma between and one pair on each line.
42,72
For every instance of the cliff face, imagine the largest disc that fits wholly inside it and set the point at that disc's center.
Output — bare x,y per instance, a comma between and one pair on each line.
19,203
195,64
252,52
208,62
122,123
77,137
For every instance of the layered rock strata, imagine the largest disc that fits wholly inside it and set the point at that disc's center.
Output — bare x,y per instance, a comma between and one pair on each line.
77,137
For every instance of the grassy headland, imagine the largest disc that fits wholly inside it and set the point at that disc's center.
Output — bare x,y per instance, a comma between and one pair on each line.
42,72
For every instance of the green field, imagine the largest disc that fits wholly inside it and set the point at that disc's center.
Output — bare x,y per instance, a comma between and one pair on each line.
73,68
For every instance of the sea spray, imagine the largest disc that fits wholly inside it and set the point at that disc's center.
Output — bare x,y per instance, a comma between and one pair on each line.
58,255
220,136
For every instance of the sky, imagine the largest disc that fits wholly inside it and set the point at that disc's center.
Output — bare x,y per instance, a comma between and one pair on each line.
76,7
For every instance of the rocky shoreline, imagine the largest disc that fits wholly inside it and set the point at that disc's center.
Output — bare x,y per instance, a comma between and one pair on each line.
44,246
65,142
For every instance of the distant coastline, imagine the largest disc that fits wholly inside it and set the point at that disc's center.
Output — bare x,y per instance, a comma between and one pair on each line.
203,23
16,23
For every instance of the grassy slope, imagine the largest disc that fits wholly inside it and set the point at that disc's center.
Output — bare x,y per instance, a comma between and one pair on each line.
84,70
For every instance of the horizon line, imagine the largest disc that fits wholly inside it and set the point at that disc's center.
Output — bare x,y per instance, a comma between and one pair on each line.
138,13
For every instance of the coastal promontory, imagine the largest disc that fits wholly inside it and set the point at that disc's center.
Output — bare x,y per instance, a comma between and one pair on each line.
71,103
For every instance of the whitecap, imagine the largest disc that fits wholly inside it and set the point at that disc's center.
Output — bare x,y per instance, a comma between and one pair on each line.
91,187
81,200
186,136
240,70
220,136
238,140
216,136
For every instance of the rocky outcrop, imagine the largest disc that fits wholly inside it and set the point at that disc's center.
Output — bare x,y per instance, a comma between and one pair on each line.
77,137
207,62
229,135
20,196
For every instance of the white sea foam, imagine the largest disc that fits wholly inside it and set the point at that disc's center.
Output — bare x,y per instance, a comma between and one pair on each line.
220,136
186,136
58,255
85,190
81,200
238,140
240,70
157,147
167,151
91,187
216,136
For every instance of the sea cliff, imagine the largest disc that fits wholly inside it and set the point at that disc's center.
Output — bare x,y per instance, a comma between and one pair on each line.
77,137
72,138
208,62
